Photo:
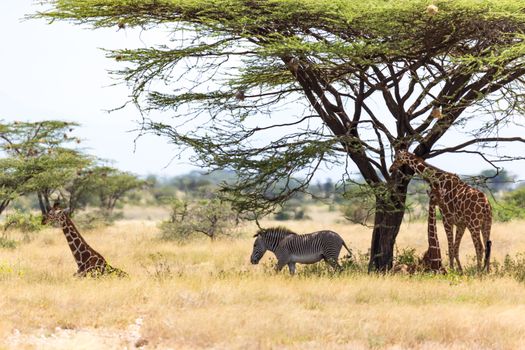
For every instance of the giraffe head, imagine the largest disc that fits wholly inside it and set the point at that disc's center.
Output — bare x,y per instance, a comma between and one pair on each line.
402,157
54,214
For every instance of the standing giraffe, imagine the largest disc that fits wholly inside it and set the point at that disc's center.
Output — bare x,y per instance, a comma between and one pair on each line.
432,257
460,205
89,261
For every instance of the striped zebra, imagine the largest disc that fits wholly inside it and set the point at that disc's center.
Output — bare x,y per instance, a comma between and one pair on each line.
291,248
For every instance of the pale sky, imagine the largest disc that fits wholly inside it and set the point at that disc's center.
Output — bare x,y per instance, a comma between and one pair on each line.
59,71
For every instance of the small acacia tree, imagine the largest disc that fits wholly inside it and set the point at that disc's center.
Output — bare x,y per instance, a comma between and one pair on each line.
210,217
233,63
37,160
107,184
113,184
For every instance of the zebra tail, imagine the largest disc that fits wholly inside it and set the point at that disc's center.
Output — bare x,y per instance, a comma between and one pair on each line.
348,249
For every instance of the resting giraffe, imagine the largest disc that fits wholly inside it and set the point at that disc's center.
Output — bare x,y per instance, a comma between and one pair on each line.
89,261
460,205
432,257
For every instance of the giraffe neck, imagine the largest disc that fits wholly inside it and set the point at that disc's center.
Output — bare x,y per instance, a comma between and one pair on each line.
428,172
76,242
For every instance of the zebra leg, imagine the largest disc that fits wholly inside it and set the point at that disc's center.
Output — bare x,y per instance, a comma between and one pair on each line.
279,266
291,267
333,262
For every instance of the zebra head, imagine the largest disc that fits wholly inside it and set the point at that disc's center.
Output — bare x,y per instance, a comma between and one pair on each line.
259,248
267,239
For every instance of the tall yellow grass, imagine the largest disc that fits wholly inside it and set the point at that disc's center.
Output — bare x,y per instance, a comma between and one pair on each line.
207,295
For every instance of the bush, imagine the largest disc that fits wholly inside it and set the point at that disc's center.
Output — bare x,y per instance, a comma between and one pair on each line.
359,204
507,209
513,266
291,211
210,217
7,243
407,256
96,219
25,222
282,216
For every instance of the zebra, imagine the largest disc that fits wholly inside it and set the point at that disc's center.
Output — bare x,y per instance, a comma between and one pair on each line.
291,248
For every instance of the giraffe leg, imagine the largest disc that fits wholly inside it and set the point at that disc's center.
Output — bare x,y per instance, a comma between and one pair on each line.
450,242
485,232
460,230
476,239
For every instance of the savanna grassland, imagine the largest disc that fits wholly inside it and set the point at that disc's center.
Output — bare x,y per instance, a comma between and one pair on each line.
205,294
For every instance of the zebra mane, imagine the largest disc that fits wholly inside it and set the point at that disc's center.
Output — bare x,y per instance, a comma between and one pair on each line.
273,235
279,230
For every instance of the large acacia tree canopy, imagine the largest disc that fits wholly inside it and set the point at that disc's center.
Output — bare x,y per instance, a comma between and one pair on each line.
231,61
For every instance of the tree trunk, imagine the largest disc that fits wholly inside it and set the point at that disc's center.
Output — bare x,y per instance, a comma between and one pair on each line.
41,204
388,217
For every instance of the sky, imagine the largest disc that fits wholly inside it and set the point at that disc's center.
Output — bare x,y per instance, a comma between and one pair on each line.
59,71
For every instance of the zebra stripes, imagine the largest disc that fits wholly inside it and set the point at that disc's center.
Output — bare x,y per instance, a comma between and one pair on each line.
291,248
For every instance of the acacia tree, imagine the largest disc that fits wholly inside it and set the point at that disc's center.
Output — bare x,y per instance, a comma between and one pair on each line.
228,66
112,184
37,160
12,176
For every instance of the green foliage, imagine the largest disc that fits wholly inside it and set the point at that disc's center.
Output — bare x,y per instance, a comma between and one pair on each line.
37,160
504,212
359,203
24,222
513,266
516,197
210,217
7,243
510,206
406,256
39,163
111,184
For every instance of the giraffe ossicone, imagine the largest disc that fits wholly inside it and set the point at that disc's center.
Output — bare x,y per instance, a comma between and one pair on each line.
89,261
460,204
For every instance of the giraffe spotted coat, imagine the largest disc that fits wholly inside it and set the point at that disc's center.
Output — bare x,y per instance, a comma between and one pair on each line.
89,261
460,204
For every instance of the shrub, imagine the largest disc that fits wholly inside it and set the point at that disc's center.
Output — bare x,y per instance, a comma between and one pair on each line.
514,267
407,256
291,211
25,222
7,243
359,203
210,217
96,219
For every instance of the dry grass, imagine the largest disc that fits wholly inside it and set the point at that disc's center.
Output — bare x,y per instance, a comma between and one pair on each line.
207,295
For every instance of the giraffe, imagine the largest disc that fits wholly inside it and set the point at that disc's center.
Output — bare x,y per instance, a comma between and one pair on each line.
432,257
89,261
460,205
